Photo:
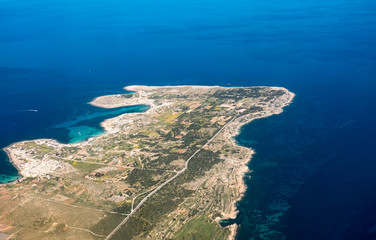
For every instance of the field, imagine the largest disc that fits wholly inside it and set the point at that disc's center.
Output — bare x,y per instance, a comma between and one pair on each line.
170,173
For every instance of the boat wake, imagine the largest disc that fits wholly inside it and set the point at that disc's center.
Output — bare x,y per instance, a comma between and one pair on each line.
24,110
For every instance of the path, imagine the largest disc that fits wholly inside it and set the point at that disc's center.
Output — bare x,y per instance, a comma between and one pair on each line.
109,236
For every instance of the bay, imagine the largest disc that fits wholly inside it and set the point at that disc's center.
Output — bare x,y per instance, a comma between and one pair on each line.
312,172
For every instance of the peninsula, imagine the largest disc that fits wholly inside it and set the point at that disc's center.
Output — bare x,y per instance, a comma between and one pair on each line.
172,172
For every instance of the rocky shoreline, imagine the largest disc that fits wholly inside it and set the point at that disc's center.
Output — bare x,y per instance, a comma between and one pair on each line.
235,130
29,167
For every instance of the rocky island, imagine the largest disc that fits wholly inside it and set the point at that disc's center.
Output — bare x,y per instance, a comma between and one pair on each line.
172,172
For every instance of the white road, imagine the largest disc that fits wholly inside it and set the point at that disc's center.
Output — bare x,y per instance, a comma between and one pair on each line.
109,236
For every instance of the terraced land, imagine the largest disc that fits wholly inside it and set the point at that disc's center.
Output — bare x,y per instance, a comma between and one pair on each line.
172,172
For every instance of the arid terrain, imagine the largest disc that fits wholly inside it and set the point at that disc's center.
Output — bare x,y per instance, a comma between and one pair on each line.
172,172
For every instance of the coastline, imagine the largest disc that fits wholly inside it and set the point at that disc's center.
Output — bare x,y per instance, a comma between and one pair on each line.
105,124
242,170
116,100
140,97
11,160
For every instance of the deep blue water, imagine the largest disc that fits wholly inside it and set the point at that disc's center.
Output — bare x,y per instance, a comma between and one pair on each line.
313,172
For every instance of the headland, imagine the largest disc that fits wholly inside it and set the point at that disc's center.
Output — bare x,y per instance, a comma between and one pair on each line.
175,165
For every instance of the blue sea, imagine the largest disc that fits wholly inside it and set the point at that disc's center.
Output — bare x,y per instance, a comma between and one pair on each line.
313,174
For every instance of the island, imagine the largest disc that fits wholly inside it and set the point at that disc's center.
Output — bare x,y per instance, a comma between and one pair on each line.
172,172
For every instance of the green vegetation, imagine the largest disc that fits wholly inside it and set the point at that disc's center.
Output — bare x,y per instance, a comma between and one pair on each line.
138,154
145,178
106,225
85,168
201,228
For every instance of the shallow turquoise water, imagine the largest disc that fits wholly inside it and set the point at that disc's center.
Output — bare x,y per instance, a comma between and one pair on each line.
85,126
313,172
78,127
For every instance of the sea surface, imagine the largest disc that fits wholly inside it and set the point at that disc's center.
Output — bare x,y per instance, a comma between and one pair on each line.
313,174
